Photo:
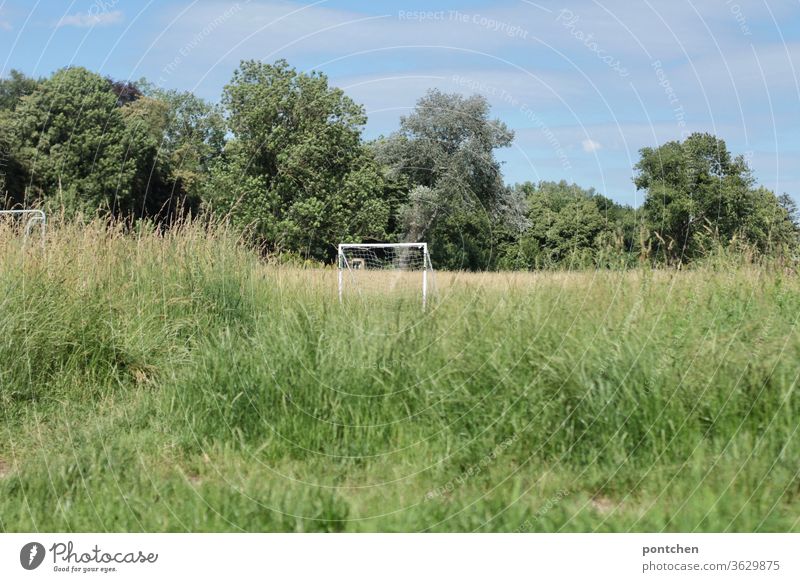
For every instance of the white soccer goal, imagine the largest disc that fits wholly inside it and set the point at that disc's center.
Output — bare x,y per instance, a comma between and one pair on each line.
399,269
27,220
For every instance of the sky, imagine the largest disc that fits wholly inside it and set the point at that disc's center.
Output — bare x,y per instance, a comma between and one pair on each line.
583,84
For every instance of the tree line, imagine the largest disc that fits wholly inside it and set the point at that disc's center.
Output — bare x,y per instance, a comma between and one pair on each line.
282,157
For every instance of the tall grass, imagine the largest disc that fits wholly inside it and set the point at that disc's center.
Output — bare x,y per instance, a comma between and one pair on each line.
174,381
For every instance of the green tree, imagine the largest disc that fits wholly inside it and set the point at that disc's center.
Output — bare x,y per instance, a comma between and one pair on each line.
296,170
790,207
191,137
151,192
771,226
14,88
13,177
567,226
70,136
699,195
173,138
446,146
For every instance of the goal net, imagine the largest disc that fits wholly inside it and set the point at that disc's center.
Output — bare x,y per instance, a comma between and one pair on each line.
399,269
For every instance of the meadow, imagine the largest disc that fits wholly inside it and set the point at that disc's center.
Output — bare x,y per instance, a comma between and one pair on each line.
178,382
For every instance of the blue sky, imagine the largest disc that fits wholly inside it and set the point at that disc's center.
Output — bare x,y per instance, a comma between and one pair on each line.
584,84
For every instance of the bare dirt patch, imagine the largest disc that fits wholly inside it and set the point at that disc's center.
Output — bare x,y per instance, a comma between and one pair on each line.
603,505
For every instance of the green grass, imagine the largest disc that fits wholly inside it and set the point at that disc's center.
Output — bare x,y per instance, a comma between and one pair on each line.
178,383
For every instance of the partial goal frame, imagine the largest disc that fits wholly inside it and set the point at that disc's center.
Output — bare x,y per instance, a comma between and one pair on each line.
34,216
347,264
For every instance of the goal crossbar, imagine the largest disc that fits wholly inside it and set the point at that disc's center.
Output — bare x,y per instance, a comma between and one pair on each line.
379,245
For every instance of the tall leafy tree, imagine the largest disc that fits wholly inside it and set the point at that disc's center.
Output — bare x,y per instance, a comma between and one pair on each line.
790,207
14,88
151,192
71,138
446,146
568,226
296,171
187,135
698,195
13,177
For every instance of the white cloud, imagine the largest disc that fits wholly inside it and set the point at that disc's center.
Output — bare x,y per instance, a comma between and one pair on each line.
4,24
722,74
589,145
88,20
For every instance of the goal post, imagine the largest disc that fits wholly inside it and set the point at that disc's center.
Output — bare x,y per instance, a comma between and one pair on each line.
401,269
30,219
